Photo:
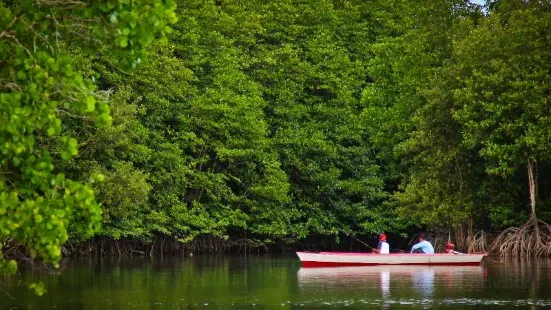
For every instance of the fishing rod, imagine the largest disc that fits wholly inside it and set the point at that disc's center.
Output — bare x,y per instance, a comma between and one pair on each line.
360,241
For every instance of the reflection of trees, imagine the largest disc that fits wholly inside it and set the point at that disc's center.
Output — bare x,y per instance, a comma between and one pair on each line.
181,282
112,284
521,278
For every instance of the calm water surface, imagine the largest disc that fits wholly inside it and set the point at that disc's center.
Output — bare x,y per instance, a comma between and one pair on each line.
267,282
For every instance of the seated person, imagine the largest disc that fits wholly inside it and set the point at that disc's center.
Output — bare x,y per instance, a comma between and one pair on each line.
383,246
450,249
423,246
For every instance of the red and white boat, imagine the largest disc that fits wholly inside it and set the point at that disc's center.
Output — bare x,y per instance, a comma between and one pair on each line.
336,259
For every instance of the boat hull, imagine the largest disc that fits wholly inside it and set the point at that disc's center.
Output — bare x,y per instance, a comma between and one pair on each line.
334,259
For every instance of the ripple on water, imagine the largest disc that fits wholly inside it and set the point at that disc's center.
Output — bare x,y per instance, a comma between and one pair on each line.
427,302
417,303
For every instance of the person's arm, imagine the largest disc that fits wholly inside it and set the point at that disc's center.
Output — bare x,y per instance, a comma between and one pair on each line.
415,247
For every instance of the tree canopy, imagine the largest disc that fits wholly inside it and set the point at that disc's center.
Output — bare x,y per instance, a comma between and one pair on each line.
39,88
269,120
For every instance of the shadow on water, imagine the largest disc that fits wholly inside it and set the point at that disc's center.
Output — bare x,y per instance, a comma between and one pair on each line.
255,282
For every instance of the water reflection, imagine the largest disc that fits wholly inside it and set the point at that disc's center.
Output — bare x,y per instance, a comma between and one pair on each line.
410,281
423,281
385,288
385,283
258,282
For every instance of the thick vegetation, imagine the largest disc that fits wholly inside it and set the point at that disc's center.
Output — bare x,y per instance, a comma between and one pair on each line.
273,121
39,91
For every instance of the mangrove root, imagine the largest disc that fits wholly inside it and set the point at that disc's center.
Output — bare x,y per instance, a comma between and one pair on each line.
533,238
477,243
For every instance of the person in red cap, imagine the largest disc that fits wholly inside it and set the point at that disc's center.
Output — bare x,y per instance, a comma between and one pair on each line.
450,249
383,247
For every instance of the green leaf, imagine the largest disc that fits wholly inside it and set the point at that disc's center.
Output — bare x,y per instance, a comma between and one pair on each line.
123,41
90,103
51,131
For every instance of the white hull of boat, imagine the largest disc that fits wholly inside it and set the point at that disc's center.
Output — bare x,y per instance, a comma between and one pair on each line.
336,259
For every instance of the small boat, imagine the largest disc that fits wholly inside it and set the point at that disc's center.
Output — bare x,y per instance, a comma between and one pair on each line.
337,259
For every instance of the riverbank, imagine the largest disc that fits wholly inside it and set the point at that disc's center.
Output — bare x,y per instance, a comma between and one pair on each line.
102,246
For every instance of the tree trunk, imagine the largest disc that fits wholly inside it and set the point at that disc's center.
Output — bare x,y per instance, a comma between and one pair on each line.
532,188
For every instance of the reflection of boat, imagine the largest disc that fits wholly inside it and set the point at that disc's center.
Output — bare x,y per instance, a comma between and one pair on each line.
385,282
336,259
421,279
323,274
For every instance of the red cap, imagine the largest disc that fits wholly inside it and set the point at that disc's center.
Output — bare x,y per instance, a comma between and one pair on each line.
382,237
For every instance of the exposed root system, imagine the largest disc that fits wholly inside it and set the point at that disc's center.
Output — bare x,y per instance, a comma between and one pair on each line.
104,246
477,243
533,238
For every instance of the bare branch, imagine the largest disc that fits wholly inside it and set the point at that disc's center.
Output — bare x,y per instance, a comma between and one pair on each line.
11,86
62,111
68,5
37,33
6,31
18,43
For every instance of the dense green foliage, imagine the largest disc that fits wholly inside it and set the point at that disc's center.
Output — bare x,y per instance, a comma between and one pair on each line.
271,120
39,89
242,135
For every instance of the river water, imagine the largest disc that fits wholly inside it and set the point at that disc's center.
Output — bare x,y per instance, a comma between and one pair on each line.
277,282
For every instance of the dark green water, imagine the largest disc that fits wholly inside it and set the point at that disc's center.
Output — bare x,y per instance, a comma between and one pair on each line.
263,282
